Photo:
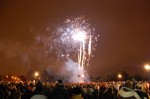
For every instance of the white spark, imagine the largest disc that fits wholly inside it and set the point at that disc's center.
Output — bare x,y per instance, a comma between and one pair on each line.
79,36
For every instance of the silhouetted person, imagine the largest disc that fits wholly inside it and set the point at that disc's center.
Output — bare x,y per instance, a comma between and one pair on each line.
126,92
59,91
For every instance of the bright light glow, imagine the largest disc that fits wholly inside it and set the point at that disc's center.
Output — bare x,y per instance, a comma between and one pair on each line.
79,36
147,66
34,81
36,74
74,39
119,76
82,75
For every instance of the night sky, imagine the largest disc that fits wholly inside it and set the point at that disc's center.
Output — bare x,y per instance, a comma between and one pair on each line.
123,26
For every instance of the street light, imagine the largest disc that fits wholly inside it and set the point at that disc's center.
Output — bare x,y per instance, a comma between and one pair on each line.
119,76
36,74
147,67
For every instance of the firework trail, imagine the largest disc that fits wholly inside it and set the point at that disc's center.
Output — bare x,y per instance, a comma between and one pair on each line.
76,36
74,40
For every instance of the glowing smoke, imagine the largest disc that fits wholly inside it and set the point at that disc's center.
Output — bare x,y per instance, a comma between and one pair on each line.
71,44
71,73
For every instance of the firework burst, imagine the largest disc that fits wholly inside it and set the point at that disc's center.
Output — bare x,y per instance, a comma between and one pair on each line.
74,38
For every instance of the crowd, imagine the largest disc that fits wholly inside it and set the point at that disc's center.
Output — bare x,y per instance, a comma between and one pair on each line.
85,90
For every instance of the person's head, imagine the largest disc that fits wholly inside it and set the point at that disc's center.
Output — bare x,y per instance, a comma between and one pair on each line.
1,94
138,86
17,95
39,88
59,82
109,89
77,90
128,84
89,86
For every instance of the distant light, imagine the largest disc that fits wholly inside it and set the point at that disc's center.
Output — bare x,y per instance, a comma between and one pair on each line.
119,76
147,66
36,74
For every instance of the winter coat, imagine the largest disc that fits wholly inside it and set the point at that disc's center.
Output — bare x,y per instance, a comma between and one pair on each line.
127,93
38,97
79,96
59,93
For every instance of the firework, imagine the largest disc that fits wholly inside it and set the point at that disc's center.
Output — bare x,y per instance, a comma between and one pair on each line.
74,40
75,37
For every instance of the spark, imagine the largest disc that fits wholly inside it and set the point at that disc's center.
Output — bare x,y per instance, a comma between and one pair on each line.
73,39
79,36
82,75
76,37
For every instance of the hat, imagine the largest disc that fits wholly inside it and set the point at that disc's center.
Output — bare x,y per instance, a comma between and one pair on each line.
77,90
138,86
59,82
128,84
